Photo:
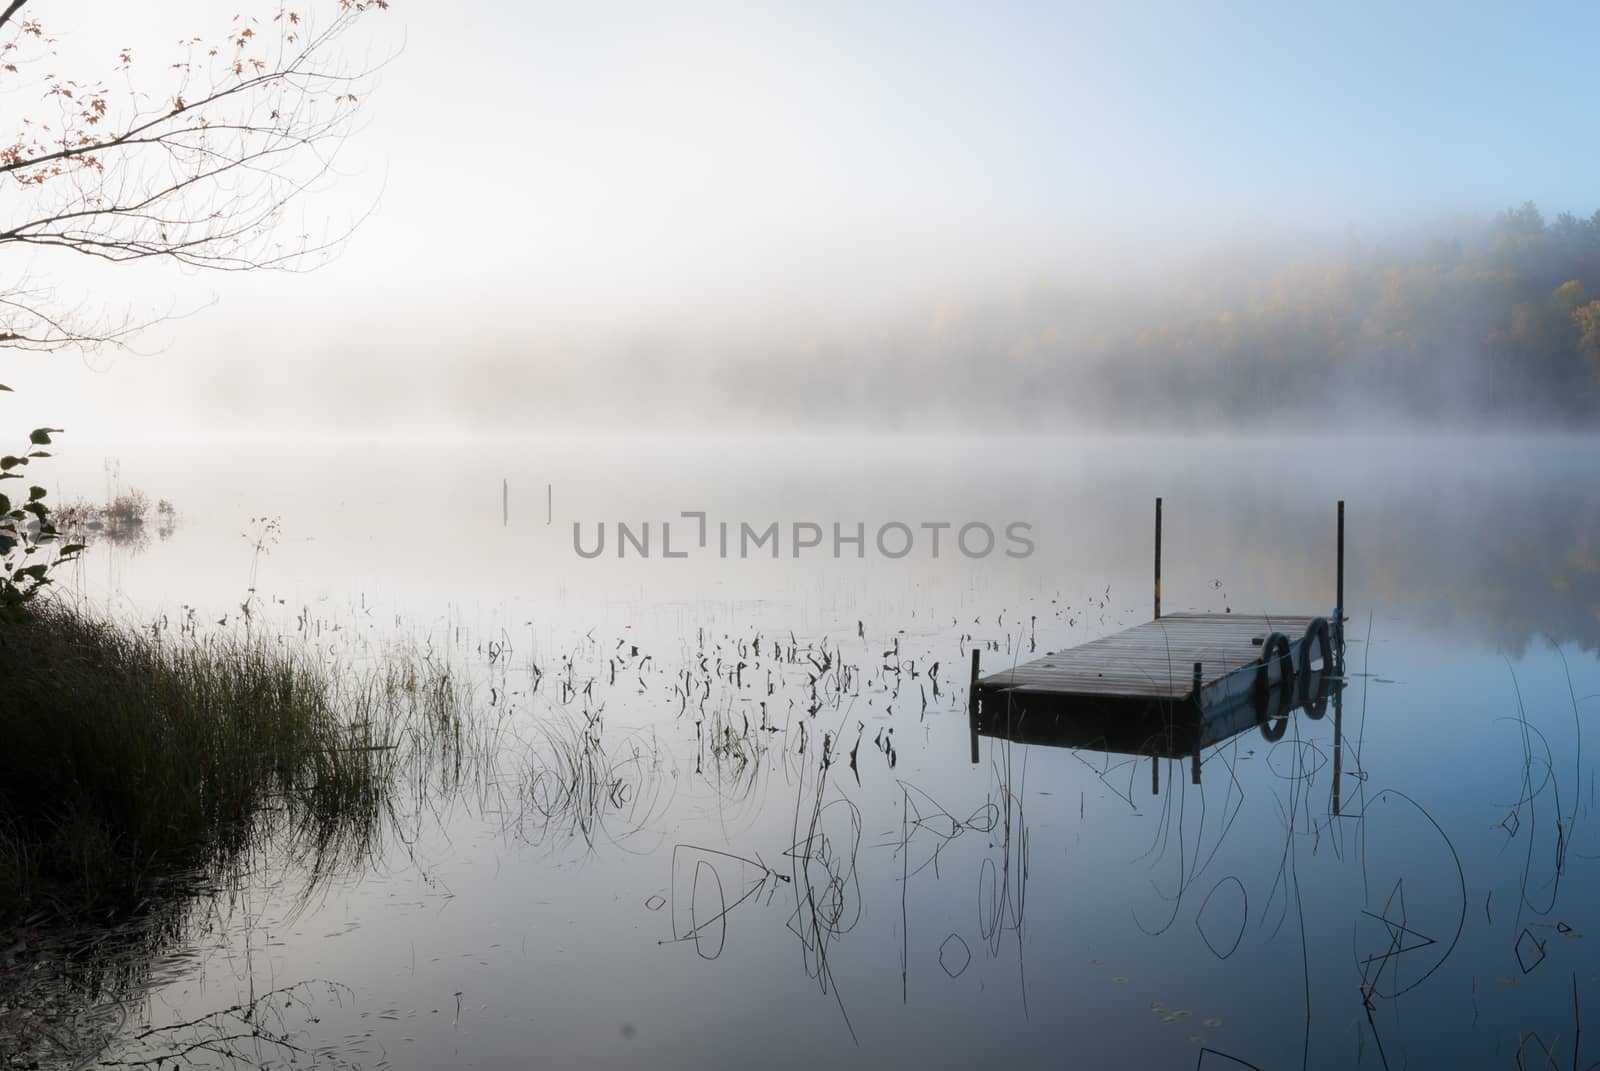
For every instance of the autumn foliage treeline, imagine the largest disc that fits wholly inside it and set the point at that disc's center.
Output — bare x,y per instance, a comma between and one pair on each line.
1497,322
1481,324
1493,322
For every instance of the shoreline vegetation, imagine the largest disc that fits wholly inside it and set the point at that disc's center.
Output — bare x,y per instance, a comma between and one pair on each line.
147,773
122,519
133,755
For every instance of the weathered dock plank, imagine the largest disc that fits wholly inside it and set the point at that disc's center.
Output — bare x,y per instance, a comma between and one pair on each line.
1153,661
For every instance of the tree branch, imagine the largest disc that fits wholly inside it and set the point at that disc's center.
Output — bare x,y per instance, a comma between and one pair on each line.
253,125
11,9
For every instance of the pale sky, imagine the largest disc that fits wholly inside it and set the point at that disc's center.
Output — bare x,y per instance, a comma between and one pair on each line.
587,175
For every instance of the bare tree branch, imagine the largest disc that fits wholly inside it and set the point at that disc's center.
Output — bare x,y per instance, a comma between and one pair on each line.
201,171
11,9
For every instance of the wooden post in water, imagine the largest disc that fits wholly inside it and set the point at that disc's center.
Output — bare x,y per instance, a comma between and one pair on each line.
1155,775
505,502
972,706
1158,560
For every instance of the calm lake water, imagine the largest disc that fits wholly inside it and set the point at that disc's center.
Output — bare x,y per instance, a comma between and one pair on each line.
780,854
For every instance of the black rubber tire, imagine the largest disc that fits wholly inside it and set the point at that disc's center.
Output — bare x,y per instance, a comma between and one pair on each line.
1317,705
1274,648
1272,713
1316,632
1272,731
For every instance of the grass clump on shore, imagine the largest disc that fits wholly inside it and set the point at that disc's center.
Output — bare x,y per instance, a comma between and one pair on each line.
126,756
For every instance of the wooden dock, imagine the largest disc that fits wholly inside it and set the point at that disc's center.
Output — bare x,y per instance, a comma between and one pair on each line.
1173,685
1153,662
1127,693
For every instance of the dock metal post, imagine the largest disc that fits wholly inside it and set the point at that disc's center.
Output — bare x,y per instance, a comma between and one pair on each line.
1340,596
1158,560
1194,761
1155,775
972,706
1338,609
1338,743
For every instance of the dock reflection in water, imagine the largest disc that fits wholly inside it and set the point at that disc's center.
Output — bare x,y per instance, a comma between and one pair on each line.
1171,730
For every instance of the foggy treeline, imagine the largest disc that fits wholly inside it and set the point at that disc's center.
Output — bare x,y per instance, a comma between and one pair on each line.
1490,322
1483,323
1495,323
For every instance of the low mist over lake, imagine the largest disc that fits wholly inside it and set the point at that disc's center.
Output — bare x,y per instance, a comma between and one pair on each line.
718,536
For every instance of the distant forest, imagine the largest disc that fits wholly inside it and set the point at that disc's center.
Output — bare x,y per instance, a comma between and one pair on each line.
1472,325
1498,321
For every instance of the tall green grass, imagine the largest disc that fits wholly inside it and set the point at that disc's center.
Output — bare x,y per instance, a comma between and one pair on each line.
127,754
